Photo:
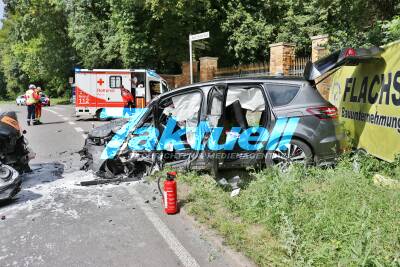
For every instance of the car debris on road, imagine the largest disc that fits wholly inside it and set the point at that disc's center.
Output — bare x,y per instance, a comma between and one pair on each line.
14,155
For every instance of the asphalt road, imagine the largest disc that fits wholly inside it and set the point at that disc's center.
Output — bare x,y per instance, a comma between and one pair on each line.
55,222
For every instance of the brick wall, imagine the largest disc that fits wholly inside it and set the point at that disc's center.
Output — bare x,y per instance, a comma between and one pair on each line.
282,57
319,50
183,79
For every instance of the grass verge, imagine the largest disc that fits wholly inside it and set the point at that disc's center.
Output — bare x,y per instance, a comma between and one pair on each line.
305,216
7,102
60,101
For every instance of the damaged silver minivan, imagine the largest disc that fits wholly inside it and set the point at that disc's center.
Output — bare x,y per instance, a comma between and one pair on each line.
229,105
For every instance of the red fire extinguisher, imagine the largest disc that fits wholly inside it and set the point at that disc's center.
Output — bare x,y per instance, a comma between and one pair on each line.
170,194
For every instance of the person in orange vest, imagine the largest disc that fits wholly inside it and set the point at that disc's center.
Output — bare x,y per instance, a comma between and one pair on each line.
38,107
127,97
31,99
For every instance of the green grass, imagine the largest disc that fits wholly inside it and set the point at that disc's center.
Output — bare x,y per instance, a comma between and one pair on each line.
7,101
60,101
305,216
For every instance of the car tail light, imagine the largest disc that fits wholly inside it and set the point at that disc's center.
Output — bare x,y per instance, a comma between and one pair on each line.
324,113
350,52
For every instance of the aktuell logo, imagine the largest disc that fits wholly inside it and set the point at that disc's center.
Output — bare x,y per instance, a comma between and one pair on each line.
202,137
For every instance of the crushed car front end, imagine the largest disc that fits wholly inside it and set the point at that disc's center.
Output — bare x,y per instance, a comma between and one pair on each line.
106,150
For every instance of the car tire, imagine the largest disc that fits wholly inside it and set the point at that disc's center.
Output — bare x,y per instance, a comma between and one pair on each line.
296,152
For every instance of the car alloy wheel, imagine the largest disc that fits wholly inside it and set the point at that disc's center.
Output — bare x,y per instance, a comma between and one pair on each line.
294,152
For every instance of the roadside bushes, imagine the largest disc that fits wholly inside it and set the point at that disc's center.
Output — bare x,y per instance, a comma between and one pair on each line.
307,216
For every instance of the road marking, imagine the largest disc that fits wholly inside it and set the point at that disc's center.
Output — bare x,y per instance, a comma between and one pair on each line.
78,129
184,256
52,111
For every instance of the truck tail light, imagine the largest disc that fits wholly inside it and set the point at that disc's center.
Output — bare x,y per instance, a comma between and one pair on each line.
324,113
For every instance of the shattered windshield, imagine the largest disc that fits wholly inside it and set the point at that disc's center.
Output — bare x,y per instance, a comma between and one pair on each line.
184,109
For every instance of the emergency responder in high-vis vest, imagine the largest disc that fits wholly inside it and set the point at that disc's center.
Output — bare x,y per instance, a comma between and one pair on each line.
38,107
31,99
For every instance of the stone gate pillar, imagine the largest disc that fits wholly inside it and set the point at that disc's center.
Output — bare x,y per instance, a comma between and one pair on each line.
208,66
282,56
319,50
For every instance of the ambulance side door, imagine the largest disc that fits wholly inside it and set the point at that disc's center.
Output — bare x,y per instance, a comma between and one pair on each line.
115,81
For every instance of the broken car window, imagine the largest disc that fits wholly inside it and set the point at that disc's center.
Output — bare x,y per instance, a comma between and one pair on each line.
245,105
184,109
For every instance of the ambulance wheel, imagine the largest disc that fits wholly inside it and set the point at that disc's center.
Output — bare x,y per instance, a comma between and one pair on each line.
98,113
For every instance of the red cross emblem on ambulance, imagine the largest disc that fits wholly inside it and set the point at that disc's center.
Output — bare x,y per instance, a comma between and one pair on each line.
100,82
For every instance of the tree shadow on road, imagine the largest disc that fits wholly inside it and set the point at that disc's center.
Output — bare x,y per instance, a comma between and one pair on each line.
87,119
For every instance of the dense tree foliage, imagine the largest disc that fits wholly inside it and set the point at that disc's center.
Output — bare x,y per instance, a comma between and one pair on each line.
43,40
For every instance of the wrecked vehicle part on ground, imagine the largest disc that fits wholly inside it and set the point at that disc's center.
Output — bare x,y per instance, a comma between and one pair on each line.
14,155
10,182
14,149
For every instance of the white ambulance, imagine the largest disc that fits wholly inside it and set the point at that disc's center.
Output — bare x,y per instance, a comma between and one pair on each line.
101,88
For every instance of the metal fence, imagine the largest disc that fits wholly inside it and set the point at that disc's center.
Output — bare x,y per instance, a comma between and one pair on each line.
298,67
260,69
255,69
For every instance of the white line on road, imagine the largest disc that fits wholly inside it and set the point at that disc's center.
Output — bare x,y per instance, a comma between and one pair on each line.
173,242
52,111
78,129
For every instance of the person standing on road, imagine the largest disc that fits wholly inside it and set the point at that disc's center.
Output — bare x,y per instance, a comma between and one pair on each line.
38,107
127,98
31,99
